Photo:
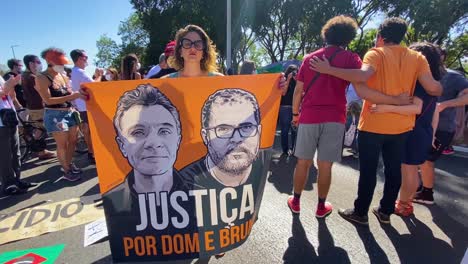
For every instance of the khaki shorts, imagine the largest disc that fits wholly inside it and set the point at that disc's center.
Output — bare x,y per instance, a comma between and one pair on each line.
325,138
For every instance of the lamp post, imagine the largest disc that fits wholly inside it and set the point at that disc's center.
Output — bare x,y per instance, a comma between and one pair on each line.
13,50
228,35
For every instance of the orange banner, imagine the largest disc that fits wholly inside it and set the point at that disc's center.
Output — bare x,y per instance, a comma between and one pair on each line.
189,95
182,163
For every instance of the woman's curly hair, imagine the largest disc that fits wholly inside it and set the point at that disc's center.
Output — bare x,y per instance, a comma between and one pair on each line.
208,61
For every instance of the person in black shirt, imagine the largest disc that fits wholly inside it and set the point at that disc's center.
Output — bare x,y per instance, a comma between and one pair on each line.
16,67
285,114
165,69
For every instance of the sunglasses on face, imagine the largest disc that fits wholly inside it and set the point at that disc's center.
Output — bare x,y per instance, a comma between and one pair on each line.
187,44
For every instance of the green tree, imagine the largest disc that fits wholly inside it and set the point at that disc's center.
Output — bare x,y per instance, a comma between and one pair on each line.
457,53
432,20
108,52
362,43
134,39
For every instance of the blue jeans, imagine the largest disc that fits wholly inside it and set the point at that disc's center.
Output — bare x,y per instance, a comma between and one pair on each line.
285,117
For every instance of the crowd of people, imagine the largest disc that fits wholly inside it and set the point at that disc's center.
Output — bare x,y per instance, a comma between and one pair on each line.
406,114
407,117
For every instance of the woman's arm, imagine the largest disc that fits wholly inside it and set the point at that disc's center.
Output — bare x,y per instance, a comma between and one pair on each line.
412,109
42,87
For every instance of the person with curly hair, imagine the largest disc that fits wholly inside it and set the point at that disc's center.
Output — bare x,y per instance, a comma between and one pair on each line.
194,55
319,110
392,69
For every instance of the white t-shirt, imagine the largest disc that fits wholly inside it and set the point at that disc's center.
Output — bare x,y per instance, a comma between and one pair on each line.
155,69
351,95
79,76
5,102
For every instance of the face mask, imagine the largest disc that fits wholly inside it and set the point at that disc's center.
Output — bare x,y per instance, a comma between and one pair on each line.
138,66
108,77
38,67
58,68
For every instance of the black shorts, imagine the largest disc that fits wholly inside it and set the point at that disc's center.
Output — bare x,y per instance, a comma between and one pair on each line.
445,139
84,117
418,146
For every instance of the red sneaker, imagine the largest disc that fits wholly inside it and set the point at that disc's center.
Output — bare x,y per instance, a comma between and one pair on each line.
324,210
448,151
294,205
403,208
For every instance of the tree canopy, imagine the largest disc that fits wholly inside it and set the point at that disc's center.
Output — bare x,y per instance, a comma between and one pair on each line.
273,30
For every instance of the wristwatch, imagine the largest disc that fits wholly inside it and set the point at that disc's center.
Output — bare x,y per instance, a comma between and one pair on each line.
295,114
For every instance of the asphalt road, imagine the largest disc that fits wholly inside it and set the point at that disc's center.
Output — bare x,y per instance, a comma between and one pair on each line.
436,234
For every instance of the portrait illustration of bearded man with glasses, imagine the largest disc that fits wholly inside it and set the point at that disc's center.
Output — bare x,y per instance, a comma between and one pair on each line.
231,132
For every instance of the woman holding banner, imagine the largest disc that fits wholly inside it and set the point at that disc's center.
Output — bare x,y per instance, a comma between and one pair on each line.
195,54
60,118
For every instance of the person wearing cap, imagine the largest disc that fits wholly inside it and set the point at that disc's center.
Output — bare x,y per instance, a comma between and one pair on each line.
60,118
165,69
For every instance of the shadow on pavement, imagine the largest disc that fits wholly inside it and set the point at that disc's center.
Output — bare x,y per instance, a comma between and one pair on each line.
49,182
455,230
455,165
282,173
299,250
373,249
327,251
350,161
420,246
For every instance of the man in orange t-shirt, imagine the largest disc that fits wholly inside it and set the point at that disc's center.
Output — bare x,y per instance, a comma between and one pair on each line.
392,69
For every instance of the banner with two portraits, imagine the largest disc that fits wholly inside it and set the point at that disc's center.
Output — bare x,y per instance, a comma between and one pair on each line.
182,162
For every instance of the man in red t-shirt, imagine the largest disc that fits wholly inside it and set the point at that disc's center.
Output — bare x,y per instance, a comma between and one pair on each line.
321,120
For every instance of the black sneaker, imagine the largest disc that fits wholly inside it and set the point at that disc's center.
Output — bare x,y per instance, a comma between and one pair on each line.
72,177
383,218
74,169
26,185
351,216
13,189
424,197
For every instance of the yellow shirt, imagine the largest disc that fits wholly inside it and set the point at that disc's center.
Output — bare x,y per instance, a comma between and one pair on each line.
396,71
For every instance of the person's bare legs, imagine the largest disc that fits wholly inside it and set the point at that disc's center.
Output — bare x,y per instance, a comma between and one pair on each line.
84,127
61,139
324,178
72,135
301,174
427,174
409,182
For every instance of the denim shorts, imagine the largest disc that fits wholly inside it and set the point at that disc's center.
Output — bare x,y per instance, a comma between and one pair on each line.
59,120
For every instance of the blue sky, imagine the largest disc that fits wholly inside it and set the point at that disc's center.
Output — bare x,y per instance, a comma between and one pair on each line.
37,25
